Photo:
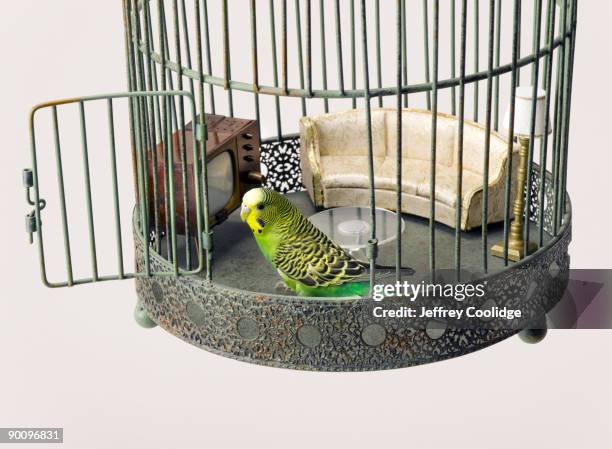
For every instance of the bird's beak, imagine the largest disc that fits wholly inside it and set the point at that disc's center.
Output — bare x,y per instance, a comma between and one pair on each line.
244,212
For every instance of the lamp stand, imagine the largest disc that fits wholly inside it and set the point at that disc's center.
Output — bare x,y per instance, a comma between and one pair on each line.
516,243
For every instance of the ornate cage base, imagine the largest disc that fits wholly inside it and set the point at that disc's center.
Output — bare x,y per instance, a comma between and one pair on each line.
322,335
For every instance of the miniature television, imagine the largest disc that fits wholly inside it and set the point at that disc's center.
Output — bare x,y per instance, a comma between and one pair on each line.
233,167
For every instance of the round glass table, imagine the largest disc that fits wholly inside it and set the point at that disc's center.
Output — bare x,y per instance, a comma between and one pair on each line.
349,226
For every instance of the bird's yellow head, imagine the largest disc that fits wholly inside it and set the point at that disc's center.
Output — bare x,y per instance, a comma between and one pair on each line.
261,208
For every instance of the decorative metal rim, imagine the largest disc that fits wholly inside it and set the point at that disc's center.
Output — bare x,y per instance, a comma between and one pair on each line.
269,329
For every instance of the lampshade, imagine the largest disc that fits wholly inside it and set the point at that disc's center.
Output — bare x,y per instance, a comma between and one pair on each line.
522,117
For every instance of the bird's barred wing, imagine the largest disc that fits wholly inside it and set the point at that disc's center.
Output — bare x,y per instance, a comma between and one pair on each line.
316,261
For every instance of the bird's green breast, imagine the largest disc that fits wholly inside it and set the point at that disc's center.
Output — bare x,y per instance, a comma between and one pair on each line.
268,243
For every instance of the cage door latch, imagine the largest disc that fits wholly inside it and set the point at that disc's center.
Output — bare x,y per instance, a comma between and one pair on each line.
32,223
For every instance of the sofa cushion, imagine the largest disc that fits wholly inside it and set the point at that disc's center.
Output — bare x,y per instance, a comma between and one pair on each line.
345,133
446,185
339,172
351,172
413,171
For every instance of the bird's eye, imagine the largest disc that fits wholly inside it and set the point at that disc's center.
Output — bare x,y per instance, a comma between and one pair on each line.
260,206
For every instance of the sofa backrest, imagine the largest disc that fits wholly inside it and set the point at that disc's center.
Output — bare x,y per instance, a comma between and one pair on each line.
474,149
345,133
416,136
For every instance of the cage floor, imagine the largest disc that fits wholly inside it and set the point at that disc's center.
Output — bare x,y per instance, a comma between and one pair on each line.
238,263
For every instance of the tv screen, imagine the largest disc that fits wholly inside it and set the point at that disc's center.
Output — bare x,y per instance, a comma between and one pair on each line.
221,182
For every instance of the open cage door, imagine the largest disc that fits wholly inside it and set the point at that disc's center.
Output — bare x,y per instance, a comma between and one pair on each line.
95,183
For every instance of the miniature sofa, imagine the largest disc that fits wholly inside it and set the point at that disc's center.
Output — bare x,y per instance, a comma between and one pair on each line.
334,164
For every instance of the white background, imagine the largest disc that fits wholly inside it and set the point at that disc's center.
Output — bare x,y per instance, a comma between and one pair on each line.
74,358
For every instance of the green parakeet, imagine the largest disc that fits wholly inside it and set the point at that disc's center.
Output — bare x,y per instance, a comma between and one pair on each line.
308,262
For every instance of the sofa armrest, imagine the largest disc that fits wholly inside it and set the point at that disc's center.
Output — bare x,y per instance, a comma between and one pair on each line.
310,161
473,200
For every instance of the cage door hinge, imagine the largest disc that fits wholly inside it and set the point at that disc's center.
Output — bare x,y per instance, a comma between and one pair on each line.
32,223
201,132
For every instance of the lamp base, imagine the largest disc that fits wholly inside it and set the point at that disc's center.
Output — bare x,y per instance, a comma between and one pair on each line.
516,252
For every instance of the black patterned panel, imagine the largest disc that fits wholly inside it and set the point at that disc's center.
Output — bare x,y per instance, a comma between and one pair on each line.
280,163
535,208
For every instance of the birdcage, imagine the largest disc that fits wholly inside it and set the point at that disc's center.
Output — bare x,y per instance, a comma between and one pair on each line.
224,96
